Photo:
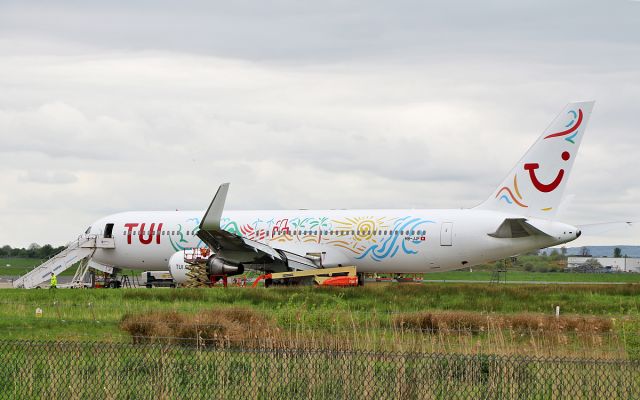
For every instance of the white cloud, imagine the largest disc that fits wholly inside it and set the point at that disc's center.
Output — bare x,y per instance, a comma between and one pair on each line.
382,116
49,177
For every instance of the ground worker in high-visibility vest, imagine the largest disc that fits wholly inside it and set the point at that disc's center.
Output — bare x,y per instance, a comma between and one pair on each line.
54,281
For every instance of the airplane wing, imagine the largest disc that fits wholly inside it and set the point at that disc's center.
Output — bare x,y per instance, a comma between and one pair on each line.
238,250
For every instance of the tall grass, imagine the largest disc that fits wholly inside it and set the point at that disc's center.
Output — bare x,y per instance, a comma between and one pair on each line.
97,370
465,333
359,318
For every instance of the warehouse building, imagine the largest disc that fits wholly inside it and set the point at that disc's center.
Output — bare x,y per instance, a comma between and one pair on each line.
604,264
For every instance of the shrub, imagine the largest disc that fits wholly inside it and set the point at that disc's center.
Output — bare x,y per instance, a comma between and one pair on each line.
226,327
430,322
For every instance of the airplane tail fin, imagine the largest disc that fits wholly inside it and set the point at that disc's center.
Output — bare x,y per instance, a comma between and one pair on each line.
535,185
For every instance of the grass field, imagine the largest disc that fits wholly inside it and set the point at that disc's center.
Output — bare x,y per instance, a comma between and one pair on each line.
20,266
359,317
17,266
71,370
523,276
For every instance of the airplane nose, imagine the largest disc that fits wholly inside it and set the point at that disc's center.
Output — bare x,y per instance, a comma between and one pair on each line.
578,233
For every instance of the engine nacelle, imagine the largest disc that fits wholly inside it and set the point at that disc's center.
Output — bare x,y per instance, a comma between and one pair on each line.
217,266
178,268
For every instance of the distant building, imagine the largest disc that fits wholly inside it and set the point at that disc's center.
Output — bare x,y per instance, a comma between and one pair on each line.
608,263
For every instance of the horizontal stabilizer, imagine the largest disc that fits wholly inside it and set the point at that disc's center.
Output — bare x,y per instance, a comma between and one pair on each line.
603,227
512,228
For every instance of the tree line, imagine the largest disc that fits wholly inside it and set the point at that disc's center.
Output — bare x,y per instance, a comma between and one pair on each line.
33,251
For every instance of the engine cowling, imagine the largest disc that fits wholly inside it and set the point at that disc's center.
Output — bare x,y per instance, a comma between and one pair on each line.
178,268
217,266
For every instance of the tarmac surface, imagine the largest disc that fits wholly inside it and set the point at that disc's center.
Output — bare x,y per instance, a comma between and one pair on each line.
6,282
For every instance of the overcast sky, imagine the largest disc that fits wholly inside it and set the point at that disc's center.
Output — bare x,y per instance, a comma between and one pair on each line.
109,106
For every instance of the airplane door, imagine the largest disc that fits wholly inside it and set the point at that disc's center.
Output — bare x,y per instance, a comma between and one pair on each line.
446,234
108,231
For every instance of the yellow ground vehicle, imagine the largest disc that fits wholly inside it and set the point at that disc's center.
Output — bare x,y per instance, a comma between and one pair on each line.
339,276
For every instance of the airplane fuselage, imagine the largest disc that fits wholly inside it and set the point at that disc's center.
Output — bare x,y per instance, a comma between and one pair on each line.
382,241
516,217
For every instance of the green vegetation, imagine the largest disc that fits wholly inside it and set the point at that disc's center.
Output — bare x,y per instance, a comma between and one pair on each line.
470,318
524,276
114,371
528,267
33,251
17,266
361,316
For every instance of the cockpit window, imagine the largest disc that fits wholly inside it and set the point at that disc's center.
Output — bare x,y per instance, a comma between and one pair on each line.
87,231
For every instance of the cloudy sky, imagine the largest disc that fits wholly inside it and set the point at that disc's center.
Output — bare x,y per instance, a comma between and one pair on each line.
109,106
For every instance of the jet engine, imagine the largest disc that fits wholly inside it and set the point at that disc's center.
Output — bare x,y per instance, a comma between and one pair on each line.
178,268
218,266
215,266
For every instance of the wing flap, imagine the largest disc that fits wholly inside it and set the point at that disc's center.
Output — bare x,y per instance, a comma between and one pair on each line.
298,262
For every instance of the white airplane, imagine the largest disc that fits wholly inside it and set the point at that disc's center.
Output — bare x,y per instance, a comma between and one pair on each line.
517,217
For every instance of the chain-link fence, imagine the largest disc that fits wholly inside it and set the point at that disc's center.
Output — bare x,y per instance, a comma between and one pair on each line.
82,370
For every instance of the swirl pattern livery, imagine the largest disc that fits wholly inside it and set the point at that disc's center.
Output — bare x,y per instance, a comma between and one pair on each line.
363,237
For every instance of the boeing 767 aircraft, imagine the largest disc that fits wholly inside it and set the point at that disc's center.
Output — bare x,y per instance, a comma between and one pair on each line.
518,216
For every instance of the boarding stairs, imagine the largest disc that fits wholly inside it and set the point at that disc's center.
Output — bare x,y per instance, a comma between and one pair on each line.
78,250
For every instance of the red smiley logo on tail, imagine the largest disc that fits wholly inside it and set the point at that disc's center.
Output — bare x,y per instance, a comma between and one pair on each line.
545,187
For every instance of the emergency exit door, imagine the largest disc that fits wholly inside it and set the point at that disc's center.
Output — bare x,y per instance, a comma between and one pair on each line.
446,234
